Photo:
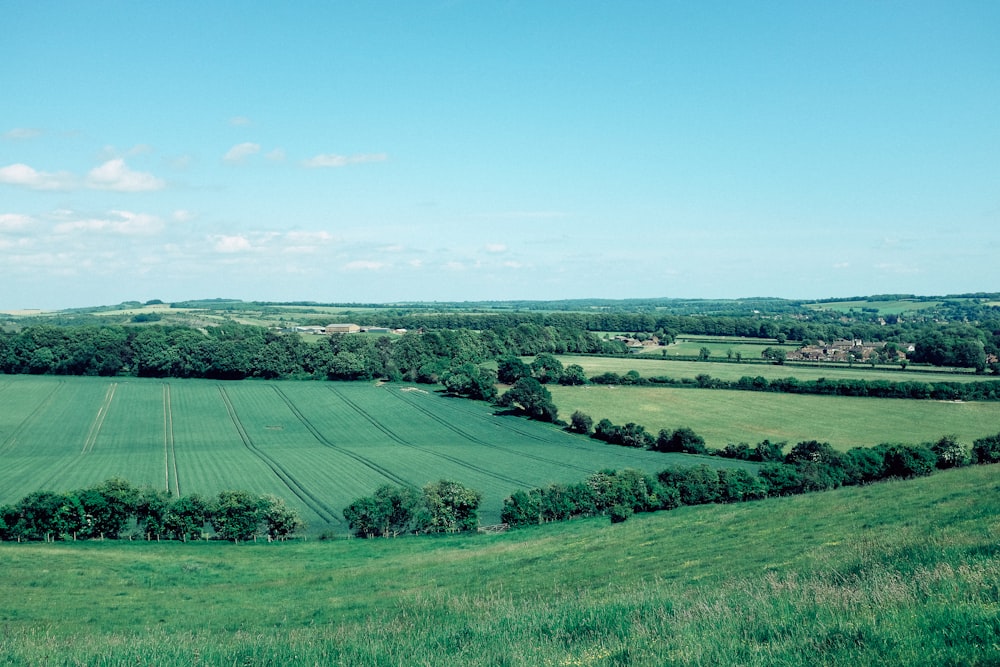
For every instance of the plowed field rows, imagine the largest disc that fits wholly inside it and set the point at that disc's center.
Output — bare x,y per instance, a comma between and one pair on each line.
318,445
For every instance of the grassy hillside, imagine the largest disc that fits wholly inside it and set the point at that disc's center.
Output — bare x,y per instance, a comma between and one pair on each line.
901,573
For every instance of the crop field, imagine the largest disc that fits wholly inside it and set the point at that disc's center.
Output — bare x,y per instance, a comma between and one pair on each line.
319,445
648,366
723,416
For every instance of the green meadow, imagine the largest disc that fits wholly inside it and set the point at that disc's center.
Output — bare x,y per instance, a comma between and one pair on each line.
897,573
652,366
718,346
723,416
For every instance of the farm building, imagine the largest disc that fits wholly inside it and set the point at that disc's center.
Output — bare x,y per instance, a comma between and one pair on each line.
342,328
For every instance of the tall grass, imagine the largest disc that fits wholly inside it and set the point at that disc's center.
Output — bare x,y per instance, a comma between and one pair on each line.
901,573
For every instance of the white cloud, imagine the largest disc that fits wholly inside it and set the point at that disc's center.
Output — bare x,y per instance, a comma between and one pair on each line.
231,244
363,265
277,155
240,121
496,247
119,222
241,152
115,175
28,177
14,222
22,133
182,215
334,160
513,265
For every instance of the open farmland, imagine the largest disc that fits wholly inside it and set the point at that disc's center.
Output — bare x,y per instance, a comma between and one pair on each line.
723,416
718,346
320,445
648,366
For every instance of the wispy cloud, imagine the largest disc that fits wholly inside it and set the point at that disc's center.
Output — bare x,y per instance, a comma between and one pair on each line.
277,155
117,222
21,133
334,160
496,248
231,244
24,176
526,215
115,175
241,152
364,265
240,121
14,222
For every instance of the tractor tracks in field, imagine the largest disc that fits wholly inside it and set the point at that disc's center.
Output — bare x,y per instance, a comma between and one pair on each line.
317,505
627,452
11,439
169,453
102,413
500,448
323,440
402,441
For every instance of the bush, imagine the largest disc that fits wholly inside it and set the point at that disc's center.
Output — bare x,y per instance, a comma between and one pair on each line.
580,422
619,513
987,450
907,461
680,440
950,453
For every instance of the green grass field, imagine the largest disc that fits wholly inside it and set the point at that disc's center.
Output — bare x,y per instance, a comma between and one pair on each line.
723,417
898,573
718,346
651,366
893,307
320,445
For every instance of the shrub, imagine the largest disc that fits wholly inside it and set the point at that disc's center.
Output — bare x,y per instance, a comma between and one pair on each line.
950,453
619,513
580,422
909,461
987,450
680,440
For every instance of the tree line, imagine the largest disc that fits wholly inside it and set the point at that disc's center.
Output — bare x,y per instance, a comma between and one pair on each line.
234,351
115,509
809,466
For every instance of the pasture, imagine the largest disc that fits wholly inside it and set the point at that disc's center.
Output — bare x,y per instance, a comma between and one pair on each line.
889,307
896,573
319,445
723,416
651,366
719,346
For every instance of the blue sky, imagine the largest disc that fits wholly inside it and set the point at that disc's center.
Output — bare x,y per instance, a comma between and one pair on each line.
337,151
